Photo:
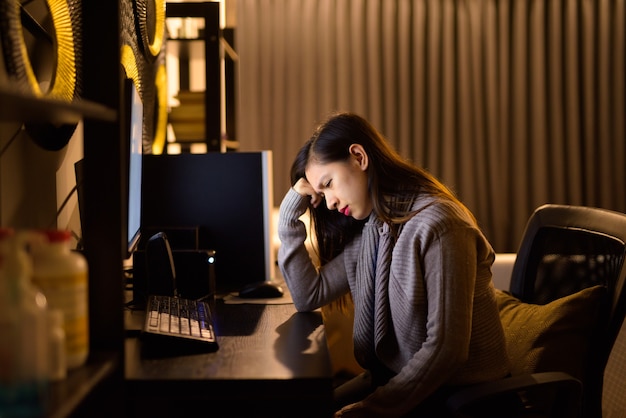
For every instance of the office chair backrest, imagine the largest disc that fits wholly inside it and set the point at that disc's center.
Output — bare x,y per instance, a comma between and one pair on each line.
566,249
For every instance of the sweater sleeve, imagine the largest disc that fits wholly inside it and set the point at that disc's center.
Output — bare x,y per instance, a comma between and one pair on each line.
310,288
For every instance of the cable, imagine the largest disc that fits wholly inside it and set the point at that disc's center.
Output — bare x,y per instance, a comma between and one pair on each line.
8,144
79,240
67,199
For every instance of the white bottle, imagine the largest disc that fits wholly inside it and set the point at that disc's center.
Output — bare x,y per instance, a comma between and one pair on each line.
23,332
57,359
61,274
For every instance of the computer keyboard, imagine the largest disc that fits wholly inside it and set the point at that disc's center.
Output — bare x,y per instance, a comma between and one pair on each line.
174,323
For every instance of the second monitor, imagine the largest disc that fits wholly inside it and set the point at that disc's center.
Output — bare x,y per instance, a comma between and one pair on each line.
228,197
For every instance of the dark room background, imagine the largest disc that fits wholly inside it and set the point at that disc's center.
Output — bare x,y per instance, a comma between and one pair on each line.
511,103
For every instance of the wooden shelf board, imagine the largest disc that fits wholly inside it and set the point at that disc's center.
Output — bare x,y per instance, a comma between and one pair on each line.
19,106
66,396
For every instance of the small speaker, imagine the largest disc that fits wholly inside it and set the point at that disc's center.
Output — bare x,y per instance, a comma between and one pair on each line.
159,270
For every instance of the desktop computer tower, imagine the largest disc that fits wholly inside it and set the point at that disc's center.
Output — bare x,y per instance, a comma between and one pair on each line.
228,197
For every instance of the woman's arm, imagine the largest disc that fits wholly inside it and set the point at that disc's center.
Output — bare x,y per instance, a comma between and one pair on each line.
310,288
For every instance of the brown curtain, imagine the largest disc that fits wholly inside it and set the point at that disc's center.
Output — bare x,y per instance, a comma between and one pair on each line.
512,103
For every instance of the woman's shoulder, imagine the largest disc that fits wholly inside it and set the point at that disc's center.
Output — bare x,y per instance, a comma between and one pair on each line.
438,213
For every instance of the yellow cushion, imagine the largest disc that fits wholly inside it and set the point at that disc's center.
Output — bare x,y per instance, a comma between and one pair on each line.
552,337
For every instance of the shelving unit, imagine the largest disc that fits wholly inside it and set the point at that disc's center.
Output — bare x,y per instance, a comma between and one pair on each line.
97,388
181,44
65,396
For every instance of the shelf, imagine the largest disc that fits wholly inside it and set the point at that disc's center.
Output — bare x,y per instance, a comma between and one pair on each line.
185,39
67,395
19,106
208,126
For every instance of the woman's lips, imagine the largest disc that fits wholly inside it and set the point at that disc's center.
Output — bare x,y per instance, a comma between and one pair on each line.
345,211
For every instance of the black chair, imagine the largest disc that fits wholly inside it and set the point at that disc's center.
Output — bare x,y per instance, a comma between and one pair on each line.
566,252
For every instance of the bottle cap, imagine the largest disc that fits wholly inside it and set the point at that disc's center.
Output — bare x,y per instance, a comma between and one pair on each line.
58,235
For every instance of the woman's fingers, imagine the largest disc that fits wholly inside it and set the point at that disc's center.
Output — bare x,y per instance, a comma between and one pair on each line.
304,188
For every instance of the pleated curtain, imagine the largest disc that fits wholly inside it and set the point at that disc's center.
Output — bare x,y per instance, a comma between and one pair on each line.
512,103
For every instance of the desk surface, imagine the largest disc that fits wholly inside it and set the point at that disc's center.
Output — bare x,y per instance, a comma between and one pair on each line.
271,361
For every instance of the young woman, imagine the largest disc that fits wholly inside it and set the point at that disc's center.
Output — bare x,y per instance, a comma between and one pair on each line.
412,258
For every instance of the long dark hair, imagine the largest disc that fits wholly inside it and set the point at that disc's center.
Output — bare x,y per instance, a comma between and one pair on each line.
393,182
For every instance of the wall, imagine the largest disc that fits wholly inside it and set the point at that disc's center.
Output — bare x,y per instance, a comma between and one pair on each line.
35,182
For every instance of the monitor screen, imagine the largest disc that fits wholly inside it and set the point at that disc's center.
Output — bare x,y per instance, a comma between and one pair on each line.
135,155
227,197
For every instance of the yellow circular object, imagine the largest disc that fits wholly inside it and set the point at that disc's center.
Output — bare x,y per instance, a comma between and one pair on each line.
161,120
63,83
129,62
150,15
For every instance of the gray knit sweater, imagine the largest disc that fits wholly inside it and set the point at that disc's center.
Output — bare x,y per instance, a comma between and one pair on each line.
424,306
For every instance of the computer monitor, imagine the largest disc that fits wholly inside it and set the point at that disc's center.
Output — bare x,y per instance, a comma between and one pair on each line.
131,169
134,157
228,197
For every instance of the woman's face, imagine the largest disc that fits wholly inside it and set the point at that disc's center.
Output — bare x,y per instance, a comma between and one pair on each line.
343,184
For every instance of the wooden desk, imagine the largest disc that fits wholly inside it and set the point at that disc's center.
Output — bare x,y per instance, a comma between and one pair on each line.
271,362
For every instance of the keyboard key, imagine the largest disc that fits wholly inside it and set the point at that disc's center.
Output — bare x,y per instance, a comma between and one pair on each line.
173,321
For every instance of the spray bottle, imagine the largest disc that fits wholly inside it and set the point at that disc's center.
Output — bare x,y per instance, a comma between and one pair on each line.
23,332
62,275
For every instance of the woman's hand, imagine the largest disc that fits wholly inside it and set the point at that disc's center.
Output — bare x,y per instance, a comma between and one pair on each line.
356,410
304,188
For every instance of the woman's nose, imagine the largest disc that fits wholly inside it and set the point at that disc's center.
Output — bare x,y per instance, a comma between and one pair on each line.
331,203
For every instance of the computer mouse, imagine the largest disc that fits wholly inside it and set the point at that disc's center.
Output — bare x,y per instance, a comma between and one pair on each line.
261,290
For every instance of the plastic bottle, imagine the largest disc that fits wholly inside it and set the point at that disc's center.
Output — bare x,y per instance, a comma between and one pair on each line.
57,359
61,274
23,333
